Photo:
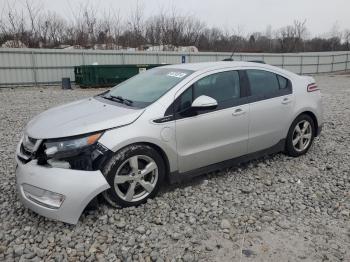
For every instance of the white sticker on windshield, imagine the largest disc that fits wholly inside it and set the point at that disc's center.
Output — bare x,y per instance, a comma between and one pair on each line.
142,70
177,74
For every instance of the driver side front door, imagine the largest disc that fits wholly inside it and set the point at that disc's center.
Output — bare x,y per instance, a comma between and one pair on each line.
208,136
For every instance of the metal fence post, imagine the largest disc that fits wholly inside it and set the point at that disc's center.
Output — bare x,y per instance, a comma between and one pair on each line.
282,60
301,64
83,57
34,69
347,62
123,58
332,63
318,64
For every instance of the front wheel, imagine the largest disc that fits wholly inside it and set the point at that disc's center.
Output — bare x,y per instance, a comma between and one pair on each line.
300,136
135,174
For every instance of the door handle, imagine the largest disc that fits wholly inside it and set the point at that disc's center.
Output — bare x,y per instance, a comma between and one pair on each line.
286,101
238,111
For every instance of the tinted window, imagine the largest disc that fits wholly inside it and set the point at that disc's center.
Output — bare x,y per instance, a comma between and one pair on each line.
262,83
185,100
282,81
222,87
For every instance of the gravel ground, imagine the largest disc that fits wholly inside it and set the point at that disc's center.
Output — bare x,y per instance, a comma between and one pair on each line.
275,209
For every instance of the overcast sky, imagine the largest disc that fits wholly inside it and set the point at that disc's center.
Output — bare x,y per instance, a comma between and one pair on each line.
247,15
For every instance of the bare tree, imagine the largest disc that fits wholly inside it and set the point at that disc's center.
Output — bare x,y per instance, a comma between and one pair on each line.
51,29
84,25
33,13
191,31
300,34
155,29
335,36
211,40
346,36
135,25
88,27
116,27
12,25
291,37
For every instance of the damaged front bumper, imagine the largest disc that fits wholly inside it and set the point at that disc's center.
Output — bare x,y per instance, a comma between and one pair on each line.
57,193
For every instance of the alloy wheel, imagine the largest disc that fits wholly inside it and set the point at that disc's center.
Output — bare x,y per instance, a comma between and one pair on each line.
136,178
302,135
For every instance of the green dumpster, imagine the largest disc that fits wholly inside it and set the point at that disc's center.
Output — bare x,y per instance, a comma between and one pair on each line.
106,75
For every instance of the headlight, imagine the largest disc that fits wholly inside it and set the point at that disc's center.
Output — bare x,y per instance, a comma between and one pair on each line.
69,146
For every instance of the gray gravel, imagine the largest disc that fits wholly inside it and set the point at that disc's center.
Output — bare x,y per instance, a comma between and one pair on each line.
275,209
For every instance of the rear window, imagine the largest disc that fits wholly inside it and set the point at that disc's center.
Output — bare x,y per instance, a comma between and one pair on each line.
262,82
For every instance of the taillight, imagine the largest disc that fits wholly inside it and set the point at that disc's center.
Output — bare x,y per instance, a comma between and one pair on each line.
312,87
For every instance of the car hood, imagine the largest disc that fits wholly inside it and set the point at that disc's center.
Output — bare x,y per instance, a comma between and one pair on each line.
80,117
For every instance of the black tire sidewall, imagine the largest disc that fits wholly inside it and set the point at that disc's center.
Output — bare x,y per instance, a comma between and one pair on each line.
290,150
114,163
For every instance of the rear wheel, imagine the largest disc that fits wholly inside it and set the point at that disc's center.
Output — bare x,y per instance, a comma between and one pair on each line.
300,136
135,174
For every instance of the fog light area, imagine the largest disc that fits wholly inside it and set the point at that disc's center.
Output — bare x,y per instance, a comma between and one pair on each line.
43,197
58,164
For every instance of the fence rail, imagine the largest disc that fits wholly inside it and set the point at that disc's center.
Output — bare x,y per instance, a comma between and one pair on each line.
48,66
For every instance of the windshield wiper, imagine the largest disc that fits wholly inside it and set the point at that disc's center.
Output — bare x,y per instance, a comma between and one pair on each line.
119,99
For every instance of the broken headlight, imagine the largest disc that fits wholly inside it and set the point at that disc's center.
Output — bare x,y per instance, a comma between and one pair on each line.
68,147
79,152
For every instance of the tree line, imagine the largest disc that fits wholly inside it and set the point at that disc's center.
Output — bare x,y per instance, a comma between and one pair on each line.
34,27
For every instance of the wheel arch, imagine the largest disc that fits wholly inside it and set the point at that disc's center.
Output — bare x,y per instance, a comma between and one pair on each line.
313,117
162,154
156,147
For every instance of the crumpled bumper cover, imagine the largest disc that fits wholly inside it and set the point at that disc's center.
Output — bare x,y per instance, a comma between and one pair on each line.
78,187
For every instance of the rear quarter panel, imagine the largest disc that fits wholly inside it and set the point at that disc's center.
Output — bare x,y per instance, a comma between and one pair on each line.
307,101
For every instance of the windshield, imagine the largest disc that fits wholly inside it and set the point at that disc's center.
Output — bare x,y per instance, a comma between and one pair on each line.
145,88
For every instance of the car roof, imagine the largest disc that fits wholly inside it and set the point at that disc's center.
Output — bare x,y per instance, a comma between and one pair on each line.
208,66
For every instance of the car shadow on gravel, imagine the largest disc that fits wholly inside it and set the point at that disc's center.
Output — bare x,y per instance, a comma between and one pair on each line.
98,203
218,174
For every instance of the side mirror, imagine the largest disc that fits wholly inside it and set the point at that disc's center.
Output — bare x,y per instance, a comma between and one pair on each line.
204,102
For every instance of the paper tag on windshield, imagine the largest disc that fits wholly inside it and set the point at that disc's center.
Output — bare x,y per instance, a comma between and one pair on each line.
142,69
177,74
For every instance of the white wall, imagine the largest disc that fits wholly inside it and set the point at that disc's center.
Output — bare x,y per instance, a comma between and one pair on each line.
48,66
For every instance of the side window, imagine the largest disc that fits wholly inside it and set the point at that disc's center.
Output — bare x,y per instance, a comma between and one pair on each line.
262,83
221,86
283,82
185,100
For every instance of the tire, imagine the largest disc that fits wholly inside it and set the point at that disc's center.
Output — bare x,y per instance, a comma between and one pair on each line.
129,170
306,137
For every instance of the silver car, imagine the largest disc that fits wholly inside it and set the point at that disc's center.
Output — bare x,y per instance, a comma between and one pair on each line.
166,124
